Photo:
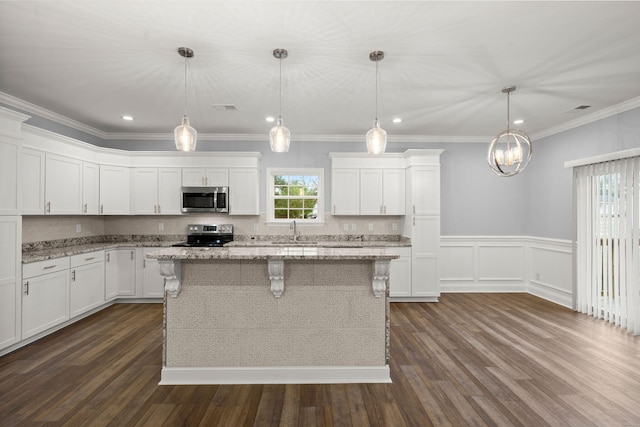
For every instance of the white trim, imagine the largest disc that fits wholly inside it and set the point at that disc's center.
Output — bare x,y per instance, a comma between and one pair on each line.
625,154
276,375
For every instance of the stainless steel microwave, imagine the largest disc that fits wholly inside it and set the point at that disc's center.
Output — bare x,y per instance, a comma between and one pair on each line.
205,199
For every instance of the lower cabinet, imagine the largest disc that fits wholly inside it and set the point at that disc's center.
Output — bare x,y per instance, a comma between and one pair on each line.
86,289
120,273
400,273
152,281
45,295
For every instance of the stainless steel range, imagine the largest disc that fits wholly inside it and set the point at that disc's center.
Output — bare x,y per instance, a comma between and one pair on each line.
211,235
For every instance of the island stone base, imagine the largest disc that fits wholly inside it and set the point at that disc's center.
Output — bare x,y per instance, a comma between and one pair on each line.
227,327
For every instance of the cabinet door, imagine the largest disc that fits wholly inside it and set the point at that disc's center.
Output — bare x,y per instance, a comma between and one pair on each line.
193,177
90,188
371,202
114,190
345,191
393,191
120,273
86,288
144,191
169,185
10,261
45,302
152,281
217,177
424,190
63,185
425,244
32,174
243,191
10,154
400,273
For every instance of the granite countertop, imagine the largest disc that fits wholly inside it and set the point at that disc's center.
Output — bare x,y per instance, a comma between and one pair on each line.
58,252
278,252
40,251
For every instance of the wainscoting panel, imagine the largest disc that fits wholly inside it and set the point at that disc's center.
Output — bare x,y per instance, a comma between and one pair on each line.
551,270
542,267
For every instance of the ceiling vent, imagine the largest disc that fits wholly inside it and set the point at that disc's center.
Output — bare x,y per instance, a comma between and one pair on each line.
224,107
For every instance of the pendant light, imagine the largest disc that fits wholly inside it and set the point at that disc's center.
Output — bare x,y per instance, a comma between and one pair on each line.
280,136
185,136
510,151
376,137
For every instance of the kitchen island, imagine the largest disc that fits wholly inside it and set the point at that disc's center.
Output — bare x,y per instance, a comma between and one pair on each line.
265,315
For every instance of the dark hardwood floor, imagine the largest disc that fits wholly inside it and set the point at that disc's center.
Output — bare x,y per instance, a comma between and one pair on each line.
470,360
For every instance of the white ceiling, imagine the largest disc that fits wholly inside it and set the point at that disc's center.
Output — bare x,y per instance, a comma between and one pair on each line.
444,67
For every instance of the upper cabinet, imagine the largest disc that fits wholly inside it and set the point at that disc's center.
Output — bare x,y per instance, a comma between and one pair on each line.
205,177
244,196
155,191
32,171
114,190
10,154
63,185
367,185
90,188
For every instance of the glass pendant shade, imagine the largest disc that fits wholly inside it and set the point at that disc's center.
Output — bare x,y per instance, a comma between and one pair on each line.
510,151
185,136
279,137
376,139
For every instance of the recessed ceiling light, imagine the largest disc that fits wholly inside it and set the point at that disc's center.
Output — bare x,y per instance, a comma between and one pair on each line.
397,120
518,121
127,118
270,119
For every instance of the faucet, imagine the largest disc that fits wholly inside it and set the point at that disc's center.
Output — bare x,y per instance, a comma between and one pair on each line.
295,232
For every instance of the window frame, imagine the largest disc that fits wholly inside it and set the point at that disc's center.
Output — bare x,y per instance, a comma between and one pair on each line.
270,199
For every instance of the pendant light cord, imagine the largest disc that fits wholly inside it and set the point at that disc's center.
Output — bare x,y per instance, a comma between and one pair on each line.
377,89
280,108
185,85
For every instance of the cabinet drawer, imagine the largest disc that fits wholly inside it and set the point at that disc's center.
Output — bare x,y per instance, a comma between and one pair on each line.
43,267
88,258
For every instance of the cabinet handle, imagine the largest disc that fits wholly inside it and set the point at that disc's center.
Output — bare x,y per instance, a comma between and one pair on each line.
73,275
158,208
108,257
414,220
132,255
155,208
84,208
90,258
334,209
48,207
26,288
144,263
101,208
49,266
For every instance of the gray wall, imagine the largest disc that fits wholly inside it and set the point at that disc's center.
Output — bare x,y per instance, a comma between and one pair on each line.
549,185
475,202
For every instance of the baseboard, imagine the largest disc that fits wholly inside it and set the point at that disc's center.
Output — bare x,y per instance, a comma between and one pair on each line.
276,375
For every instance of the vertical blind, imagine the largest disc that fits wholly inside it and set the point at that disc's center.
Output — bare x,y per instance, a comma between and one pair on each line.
608,245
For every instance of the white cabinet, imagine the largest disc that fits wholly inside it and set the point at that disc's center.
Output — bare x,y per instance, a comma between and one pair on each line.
86,289
422,224
204,177
345,191
114,190
63,185
152,280
382,192
90,188
243,191
32,181
120,273
400,273
10,157
10,272
155,191
45,295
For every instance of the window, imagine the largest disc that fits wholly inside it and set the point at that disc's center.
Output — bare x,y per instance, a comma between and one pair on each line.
295,194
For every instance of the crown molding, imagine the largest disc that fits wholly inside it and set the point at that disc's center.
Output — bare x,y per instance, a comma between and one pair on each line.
58,118
589,118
